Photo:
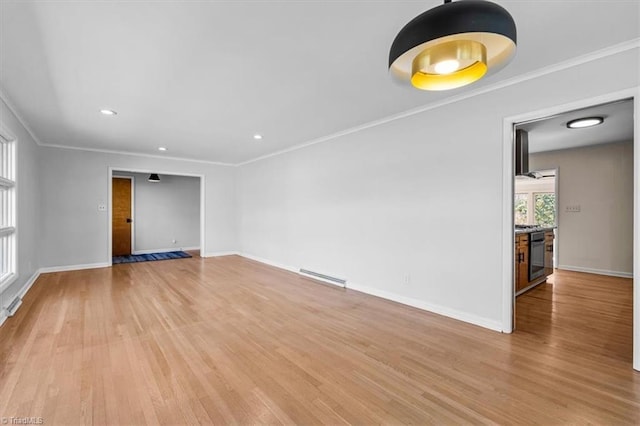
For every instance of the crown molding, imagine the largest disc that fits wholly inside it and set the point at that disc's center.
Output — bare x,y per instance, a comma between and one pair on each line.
137,154
560,66
14,111
569,63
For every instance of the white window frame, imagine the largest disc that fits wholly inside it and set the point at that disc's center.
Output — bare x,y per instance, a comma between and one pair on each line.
8,185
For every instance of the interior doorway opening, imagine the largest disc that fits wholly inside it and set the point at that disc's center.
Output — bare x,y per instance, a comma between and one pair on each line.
155,215
539,309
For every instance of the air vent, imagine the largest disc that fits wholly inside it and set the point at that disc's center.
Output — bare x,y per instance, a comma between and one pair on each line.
13,307
324,277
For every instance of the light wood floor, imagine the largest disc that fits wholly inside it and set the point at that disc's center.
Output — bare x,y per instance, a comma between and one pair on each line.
231,341
582,313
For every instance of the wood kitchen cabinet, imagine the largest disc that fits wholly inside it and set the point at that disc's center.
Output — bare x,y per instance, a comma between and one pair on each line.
548,253
522,261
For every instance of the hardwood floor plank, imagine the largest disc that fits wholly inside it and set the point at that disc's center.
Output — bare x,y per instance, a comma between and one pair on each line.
232,341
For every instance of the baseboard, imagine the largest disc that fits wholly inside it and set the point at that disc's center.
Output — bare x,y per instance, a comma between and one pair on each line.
596,271
25,288
74,267
415,303
269,262
219,253
165,250
430,307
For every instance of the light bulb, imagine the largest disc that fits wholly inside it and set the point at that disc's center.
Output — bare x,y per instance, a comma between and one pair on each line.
446,67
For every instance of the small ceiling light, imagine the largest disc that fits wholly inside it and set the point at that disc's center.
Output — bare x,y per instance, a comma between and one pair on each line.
257,136
162,148
580,123
153,177
108,112
453,45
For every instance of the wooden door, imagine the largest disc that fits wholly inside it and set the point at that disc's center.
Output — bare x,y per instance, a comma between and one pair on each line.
121,217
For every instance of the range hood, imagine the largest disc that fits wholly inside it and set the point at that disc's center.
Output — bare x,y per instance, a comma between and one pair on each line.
522,153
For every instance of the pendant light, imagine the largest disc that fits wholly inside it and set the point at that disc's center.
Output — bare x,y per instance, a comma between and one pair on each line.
153,177
453,45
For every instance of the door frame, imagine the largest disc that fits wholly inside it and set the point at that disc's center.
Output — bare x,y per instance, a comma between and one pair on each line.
110,177
508,297
133,210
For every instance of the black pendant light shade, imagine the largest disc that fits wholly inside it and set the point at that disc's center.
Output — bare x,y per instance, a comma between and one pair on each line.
153,177
453,44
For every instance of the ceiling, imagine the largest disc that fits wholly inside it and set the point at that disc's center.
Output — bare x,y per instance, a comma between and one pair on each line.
202,77
552,134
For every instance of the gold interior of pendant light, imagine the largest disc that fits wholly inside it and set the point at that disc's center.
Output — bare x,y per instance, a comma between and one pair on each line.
449,65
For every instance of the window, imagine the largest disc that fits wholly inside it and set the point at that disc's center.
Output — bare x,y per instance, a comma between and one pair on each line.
521,208
7,209
544,208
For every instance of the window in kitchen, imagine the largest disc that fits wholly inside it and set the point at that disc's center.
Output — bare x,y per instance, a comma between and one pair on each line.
521,208
8,259
544,208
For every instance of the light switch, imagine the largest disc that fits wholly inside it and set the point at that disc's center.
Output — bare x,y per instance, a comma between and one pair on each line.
102,207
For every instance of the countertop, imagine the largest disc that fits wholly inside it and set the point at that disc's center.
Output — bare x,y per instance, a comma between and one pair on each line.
528,231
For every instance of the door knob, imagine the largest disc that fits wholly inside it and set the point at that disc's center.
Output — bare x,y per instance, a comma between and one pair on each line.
129,220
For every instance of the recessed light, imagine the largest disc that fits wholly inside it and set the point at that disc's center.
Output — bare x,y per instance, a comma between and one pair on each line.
580,123
108,112
257,136
162,148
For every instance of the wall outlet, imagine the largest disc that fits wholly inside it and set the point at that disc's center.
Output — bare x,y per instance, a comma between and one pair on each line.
574,208
406,280
102,207
173,241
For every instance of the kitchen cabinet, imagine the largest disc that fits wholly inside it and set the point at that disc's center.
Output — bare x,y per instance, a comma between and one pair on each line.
548,253
522,261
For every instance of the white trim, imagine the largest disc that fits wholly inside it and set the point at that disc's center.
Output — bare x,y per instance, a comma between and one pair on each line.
23,291
66,268
507,206
139,154
27,286
9,279
165,250
596,271
203,201
430,307
425,306
270,263
569,63
14,111
578,60
636,232
219,254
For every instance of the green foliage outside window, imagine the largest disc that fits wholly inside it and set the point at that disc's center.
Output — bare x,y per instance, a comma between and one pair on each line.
520,201
545,209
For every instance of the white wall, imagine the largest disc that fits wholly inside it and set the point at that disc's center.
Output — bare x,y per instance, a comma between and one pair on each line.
28,207
393,201
165,211
74,182
599,178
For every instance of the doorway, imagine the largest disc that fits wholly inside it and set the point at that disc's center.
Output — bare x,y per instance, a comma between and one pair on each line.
122,216
168,211
571,210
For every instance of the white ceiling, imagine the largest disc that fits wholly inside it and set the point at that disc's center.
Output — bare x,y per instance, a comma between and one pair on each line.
202,77
552,134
